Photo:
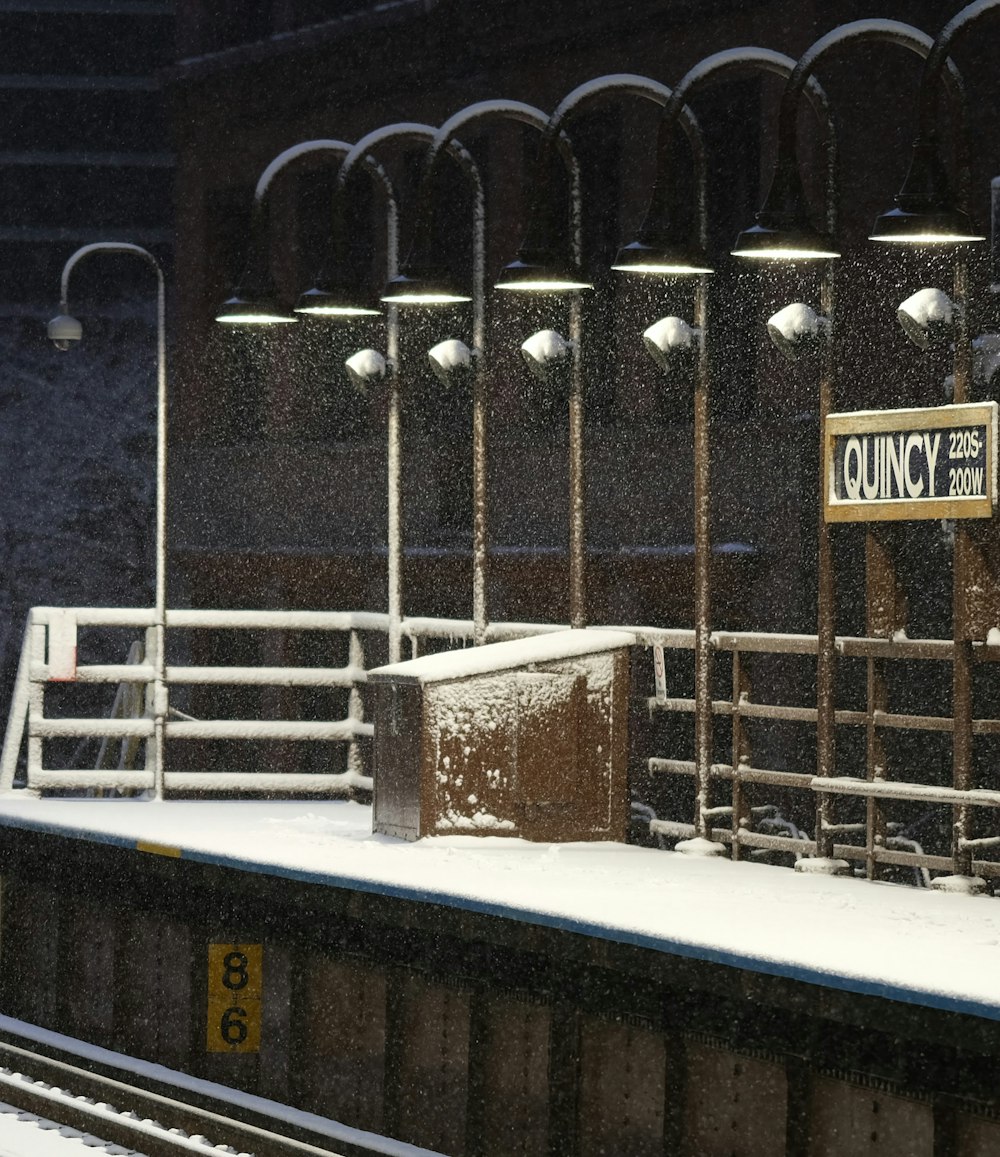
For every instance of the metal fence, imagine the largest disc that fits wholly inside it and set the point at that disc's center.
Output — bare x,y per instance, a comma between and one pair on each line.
753,810
871,839
122,736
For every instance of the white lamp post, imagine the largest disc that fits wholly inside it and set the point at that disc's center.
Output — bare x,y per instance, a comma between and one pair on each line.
64,330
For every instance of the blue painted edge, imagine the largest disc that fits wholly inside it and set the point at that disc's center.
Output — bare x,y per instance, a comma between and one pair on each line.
815,976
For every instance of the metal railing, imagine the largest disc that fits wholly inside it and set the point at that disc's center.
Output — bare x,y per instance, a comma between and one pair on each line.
49,657
752,824
883,843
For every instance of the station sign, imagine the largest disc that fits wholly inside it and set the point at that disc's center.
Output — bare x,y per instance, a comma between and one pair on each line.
882,465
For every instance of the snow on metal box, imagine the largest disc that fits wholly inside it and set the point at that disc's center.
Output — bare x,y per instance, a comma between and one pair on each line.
527,738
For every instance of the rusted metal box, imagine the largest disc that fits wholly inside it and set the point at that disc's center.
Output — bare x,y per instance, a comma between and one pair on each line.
526,738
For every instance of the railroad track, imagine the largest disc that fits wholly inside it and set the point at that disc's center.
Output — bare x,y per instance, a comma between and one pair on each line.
152,1122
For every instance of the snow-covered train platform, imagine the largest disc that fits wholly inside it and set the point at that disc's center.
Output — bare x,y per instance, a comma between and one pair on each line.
484,994
907,944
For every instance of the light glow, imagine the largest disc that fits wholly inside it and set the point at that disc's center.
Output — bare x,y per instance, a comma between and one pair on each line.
254,319
667,270
549,286
927,238
337,311
782,253
404,298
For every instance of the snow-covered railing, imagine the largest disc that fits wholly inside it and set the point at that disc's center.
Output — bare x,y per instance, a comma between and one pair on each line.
49,656
752,829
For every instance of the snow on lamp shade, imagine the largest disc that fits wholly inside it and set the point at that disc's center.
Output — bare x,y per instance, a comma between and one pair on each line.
927,317
365,367
450,360
796,329
544,352
669,338
64,330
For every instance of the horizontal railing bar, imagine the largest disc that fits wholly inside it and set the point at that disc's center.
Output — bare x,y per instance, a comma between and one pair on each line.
912,792
775,842
99,673
268,676
320,783
87,778
267,729
724,771
757,641
229,676
912,722
43,728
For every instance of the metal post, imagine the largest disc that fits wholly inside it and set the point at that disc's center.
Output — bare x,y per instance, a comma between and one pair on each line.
826,655
702,574
962,664
480,466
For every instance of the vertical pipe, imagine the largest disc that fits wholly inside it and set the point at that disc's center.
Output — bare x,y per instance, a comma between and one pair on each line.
826,663
355,708
962,663
18,711
480,523
160,704
577,480
702,573
393,457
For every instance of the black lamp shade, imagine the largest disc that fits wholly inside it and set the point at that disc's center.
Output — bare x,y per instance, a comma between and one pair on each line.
667,259
331,301
413,286
925,212
542,271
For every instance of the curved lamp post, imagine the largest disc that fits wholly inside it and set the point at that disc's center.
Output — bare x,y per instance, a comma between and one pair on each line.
783,232
927,213
400,132
420,282
541,267
663,249
64,330
254,302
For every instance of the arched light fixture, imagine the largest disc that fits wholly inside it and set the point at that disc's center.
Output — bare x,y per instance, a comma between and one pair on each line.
782,230
927,317
64,331
927,211
797,330
451,360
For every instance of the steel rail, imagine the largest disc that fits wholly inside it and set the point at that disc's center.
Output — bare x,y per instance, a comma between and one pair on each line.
97,1100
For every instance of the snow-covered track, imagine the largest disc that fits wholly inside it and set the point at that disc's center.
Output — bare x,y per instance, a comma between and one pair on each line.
137,1119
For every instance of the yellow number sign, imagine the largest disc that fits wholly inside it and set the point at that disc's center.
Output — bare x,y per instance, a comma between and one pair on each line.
234,993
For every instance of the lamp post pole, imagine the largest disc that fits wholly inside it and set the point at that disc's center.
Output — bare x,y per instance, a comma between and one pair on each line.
772,225
660,250
533,271
964,624
415,268
410,132
155,758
